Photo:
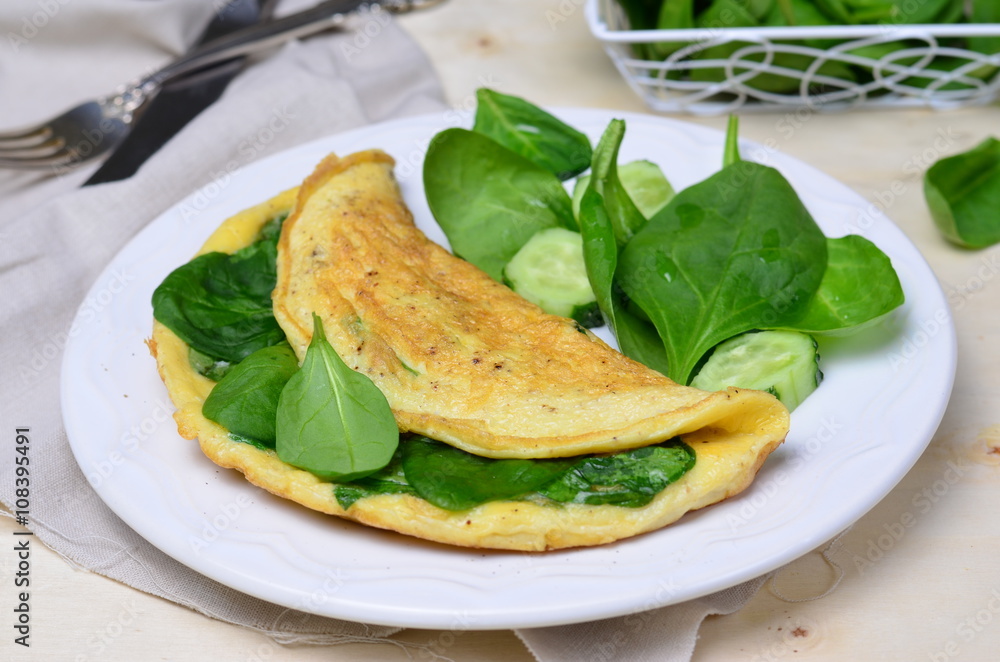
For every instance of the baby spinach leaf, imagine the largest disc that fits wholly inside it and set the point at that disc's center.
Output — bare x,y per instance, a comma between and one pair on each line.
245,401
642,13
963,193
220,304
488,200
526,129
731,151
452,479
644,182
332,421
736,252
630,478
858,286
625,217
390,479
637,338
207,366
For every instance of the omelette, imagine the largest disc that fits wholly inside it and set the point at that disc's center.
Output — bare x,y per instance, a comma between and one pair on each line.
464,360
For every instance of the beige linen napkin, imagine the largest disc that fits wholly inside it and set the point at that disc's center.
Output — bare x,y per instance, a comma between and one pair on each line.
56,238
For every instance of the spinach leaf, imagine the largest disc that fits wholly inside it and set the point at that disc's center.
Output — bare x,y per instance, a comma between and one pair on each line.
452,479
736,252
630,478
963,193
731,151
390,479
332,421
488,200
220,304
526,129
637,338
245,401
642,13
644,182
858,286
625,217
206,366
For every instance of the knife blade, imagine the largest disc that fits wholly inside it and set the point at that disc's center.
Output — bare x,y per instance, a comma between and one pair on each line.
181,100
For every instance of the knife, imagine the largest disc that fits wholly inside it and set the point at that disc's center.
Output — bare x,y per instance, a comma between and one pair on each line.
181,100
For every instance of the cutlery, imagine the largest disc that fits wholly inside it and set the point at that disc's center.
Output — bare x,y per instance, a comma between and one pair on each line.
180,100
93,128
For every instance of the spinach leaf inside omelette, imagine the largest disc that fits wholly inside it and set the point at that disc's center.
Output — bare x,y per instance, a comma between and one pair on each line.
573,508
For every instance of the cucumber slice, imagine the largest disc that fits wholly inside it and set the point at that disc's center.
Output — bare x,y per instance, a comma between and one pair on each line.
550,271
644,182
785,363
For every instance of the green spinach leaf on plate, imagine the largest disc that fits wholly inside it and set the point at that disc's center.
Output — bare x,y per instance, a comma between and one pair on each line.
736,252
245,401
332,421
220,304
452,479
859,286
488,200
538,136
630,478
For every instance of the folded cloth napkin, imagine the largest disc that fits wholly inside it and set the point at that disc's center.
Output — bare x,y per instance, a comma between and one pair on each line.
58,237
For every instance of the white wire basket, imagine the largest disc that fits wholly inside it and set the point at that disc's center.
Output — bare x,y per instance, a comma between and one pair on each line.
835,67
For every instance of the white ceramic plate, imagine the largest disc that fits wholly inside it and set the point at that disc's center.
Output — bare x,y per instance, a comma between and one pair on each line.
850,443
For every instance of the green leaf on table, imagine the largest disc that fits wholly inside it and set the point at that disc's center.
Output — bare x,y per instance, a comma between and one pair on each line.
858,287
488,200
963,193
736,252
245,401
526,129
332,421
452,479
220,304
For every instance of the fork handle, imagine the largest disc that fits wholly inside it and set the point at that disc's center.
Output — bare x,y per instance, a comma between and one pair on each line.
323,16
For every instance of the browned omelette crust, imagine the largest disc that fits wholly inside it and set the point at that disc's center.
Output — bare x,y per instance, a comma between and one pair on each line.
726,461
460,357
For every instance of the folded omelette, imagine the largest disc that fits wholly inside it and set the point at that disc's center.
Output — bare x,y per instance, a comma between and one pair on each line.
464,360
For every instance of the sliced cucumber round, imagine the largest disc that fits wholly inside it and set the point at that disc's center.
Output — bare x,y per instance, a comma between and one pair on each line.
550,271
644,182
785,363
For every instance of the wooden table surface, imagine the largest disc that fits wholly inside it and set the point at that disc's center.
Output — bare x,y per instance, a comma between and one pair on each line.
930,592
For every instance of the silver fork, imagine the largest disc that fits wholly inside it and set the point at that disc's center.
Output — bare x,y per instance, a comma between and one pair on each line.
95,127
